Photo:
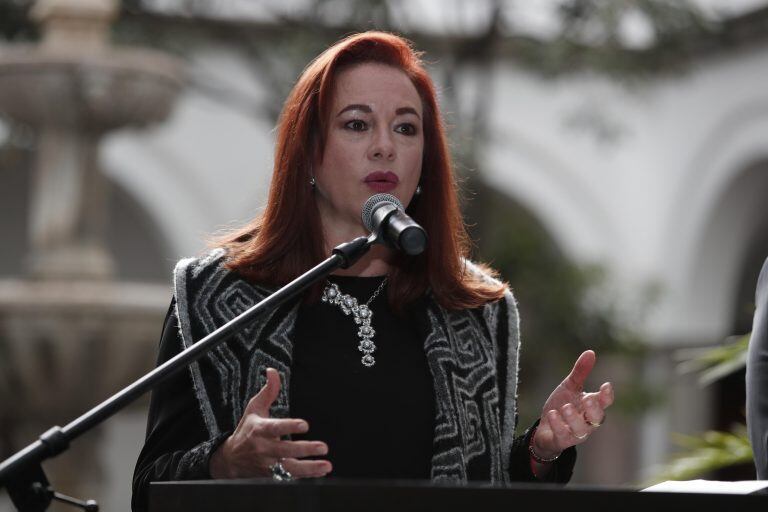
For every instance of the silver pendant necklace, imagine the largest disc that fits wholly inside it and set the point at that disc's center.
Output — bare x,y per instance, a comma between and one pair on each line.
362,315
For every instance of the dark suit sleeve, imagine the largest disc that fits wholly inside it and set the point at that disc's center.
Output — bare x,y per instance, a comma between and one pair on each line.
177,445
757,378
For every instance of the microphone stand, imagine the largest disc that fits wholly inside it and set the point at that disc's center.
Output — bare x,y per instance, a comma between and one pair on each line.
22,473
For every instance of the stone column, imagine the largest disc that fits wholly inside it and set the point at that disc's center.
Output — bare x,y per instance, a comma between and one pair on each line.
71,333
68,210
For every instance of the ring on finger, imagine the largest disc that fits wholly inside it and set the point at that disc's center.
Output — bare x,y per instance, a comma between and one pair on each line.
279,473
582,436
595,424
592,423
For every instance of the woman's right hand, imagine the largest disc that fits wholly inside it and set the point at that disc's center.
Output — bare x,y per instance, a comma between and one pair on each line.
256,443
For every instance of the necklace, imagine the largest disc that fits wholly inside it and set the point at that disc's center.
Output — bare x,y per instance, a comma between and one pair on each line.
362,315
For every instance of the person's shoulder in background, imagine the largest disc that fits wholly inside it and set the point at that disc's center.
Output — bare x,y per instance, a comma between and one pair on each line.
757,377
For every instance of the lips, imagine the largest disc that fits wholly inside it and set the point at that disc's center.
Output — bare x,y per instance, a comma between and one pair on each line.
381,181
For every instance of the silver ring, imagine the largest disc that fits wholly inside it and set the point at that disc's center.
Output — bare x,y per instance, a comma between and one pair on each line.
592,423
279,473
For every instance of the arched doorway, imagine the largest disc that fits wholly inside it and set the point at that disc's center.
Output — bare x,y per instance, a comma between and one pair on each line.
742,208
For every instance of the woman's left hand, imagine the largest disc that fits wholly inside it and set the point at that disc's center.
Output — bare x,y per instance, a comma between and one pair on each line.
570,415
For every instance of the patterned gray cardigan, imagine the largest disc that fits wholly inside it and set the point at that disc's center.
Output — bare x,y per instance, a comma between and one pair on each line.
473,357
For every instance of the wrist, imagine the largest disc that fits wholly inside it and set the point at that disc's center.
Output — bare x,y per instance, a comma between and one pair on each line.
217,465
539,455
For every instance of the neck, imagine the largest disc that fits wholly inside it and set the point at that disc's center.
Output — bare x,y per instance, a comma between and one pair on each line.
376,262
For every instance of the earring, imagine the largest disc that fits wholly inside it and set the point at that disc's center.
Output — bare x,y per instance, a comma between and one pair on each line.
312,182
418,190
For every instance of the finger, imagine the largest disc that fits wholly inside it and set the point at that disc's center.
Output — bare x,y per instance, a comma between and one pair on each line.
593,412
562,433
581,370
263,400
275,427
605,395
576,422
298,449
307,468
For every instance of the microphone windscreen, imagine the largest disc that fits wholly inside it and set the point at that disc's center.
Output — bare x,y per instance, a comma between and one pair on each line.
374,202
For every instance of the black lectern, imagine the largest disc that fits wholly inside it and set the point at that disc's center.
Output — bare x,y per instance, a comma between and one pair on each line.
342,495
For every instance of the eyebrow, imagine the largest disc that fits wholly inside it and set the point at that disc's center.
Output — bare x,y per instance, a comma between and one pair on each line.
407,110
368,110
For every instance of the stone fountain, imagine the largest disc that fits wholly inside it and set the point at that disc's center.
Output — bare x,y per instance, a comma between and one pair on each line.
71,332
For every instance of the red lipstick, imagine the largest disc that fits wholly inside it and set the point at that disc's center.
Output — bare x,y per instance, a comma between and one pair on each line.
381,181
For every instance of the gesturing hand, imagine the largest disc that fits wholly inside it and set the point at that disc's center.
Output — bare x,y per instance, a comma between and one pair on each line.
255,444
570,415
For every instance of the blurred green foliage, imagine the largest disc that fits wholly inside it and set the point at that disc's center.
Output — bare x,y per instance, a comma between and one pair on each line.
592,37
702,454
15,24
712,364
705,453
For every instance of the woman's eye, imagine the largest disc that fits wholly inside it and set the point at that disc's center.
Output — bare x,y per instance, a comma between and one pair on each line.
356,125
406,129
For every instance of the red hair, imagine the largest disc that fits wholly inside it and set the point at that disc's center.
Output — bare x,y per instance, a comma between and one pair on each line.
286,240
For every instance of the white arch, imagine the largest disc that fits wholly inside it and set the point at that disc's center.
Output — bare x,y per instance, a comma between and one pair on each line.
205,168
574,215
177,203
711,222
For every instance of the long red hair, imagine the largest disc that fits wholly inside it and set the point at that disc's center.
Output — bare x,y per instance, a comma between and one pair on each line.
286,240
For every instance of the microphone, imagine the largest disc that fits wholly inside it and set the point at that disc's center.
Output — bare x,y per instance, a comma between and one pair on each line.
384,215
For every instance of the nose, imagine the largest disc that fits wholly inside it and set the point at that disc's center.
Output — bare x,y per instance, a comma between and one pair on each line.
382,145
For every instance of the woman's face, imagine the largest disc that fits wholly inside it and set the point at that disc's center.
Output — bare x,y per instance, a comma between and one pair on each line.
374,144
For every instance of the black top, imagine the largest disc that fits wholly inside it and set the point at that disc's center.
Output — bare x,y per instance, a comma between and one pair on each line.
378,421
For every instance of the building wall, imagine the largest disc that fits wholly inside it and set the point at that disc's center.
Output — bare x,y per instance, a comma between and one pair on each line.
643,200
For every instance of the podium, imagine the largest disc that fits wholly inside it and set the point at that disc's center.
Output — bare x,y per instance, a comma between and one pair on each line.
372,496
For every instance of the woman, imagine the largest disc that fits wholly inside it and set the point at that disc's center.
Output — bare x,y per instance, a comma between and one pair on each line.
433,393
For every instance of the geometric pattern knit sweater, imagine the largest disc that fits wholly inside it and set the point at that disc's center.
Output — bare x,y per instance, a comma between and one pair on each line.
472,356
